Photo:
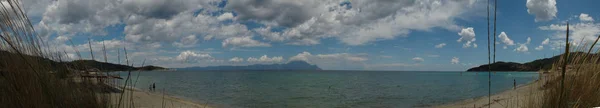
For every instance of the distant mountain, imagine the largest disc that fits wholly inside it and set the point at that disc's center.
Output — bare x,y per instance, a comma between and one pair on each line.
76,64
292,65
88,64
536,65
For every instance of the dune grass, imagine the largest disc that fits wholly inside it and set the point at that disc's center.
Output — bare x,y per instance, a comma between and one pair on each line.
573,81
28,79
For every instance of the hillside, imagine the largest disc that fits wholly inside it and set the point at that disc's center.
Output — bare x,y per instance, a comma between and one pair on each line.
293,65
77,64
536,65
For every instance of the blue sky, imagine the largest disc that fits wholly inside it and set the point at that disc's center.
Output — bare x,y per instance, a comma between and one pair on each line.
333,34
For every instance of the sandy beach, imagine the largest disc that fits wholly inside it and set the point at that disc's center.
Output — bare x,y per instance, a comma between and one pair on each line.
145,99
507,99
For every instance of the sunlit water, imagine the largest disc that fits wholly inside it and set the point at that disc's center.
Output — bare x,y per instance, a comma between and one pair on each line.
326,89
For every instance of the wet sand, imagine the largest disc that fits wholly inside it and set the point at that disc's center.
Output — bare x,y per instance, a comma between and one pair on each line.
507,99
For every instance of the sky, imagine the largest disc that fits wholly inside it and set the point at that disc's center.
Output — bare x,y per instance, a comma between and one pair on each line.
402,35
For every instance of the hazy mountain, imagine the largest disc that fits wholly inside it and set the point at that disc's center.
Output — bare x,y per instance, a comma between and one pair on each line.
293,65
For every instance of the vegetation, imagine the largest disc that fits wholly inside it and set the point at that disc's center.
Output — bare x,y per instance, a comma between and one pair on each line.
33,76
572,81
32,82
536,65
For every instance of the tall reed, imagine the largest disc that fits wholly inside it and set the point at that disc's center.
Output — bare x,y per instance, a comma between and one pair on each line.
579,86
28,76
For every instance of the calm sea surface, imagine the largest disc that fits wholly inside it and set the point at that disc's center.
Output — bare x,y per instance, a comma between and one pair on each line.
327,89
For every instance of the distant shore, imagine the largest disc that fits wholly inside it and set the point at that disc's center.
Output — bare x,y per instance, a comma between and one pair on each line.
510,98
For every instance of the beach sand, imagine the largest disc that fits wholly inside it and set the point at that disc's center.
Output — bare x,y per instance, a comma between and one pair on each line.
145,99
507,99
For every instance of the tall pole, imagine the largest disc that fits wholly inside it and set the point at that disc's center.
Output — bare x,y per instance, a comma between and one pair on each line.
91,51
564,68
494,58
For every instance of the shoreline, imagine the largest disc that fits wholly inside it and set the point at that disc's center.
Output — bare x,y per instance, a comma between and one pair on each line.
508,98
147,99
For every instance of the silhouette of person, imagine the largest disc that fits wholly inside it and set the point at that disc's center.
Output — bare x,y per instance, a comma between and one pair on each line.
153,87
514,84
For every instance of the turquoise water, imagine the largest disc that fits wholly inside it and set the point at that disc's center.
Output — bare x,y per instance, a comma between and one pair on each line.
327,89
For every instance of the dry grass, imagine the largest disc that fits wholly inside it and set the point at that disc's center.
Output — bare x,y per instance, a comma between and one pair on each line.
578,86
28,77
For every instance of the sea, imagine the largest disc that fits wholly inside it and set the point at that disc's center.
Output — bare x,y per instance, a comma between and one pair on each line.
326,89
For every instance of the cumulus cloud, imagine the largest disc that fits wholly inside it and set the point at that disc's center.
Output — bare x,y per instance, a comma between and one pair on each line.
225,16
539,48
543,10
236,59
505,39
545,42
522,48
418,59
149,21
441,45
585,17
363,22
187,41
265,59
191,56
454,60
243,42
586,31
468,36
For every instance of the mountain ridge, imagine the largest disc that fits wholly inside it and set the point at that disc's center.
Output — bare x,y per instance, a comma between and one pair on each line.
292,65
535,65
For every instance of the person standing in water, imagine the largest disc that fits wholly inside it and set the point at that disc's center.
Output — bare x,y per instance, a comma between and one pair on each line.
514,84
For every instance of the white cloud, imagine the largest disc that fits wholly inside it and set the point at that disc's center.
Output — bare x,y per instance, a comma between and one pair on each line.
528,40
468,36
539,48
187,41
363,22
586,31
418,59
546,41
504,39
191,56
455,60
225,16
441,45
265,59
585,17
522,48
236,59
243,42
543,10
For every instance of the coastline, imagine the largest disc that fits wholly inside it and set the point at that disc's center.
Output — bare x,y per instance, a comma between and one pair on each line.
508,98
147,99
